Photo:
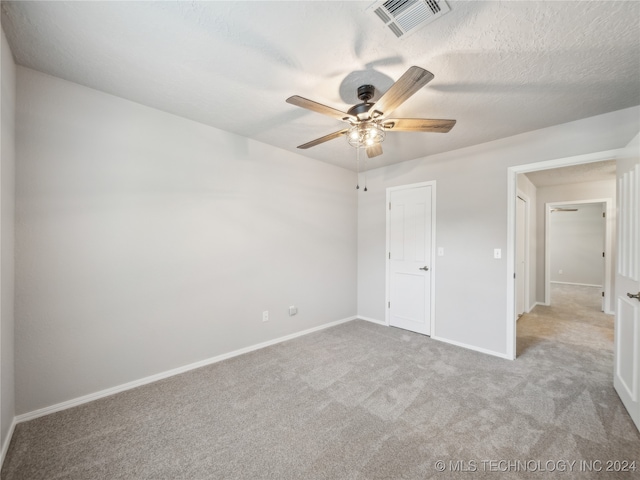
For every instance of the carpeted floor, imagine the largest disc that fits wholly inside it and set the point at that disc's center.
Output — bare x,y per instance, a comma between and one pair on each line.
360,401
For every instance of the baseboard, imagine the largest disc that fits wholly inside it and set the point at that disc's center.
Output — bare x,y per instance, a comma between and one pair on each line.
5,446
577,284
169,373
372,320
445,340
471,347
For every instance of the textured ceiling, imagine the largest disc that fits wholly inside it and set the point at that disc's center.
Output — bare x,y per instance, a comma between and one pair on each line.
501,68
586,172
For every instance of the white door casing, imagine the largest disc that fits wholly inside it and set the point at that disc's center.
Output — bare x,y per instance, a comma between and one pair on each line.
626,379
603,291
410,262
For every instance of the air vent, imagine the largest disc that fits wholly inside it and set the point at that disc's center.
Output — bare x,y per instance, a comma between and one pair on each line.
404,17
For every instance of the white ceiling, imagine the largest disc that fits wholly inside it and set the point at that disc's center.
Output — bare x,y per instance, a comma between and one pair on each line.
501,68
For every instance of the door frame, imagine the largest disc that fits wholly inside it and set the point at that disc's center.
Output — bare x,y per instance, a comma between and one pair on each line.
512,186
608,248
527,247
432,267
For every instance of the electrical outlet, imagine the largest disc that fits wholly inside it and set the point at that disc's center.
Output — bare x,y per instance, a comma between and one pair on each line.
293,310
497,253
265,316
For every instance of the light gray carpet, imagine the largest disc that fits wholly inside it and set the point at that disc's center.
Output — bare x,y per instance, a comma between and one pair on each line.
358,401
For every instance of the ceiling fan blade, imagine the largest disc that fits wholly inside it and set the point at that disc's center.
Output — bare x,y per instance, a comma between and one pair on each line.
413,80
326,138
320,108
418,125
374,150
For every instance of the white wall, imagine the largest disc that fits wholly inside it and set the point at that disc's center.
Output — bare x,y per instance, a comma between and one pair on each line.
525,186
569,193
576,244
146,242
471,286
7,184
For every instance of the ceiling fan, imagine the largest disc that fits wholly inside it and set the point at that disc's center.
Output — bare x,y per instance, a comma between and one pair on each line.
369,121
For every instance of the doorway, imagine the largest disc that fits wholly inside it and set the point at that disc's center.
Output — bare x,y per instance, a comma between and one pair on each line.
576,248
582,164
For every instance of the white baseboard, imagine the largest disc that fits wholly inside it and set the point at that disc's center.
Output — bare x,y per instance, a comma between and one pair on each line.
471,347
578,284
7,442
445,340
169,373
372,320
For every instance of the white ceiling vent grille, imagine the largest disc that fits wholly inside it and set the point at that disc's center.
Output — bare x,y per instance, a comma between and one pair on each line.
406,16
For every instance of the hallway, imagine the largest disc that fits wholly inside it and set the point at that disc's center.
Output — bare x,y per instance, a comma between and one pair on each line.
574,317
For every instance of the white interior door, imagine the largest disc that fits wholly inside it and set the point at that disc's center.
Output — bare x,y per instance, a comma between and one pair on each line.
626,378
521,246
409,229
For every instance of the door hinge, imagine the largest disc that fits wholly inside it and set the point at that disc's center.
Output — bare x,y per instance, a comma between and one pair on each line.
604,215
603,254
389,255
603,294
388,304
389,205
514,274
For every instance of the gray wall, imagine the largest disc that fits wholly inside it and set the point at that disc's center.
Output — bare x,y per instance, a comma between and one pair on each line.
471,215
576,243
146,242
7,184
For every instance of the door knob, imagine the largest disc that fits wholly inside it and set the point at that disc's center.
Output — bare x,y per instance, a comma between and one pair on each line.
425,268
636,296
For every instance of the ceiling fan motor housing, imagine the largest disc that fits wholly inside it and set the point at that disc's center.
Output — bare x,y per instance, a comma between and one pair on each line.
360,110
365,93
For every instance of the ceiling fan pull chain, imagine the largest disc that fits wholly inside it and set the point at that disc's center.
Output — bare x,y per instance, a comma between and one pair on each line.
365,174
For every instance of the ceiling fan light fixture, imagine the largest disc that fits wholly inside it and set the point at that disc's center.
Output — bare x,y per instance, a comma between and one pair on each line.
365,134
